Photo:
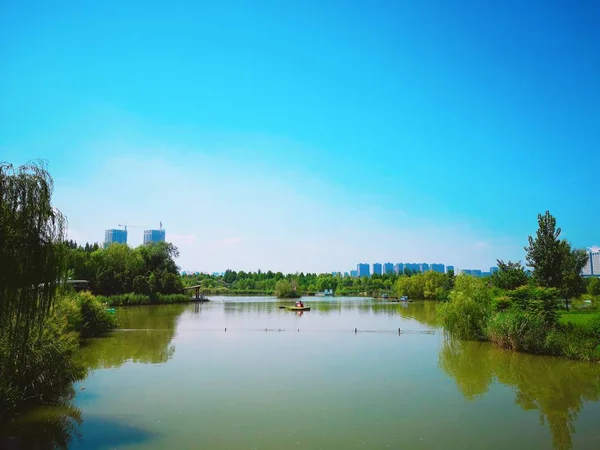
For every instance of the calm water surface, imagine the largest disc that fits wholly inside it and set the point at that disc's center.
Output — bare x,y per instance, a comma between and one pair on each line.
172,377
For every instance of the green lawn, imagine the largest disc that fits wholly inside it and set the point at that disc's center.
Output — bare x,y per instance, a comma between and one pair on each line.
577,317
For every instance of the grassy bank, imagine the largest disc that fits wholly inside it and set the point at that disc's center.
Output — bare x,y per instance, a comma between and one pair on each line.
525,319
579,318
43,370
142,299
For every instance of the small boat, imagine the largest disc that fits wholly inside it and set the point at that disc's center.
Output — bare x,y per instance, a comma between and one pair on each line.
298,308
110,310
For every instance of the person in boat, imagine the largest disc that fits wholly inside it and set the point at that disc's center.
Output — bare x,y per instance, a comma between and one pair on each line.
299,304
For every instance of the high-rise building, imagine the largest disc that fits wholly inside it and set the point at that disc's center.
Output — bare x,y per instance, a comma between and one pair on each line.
476,272
154,236
388,268
354,273
399,268
466,272
439,268
449,268
424,267
377,269
592,267
595,257
493,269
115,236
363,270
414,268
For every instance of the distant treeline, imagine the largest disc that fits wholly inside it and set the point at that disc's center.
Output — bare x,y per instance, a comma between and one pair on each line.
427,285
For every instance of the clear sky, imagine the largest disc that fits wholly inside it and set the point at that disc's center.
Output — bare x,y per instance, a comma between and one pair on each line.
310,135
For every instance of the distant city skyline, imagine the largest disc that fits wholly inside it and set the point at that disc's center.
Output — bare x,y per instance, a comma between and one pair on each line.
364,269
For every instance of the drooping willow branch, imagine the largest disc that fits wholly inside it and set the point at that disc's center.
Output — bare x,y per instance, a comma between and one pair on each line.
31,251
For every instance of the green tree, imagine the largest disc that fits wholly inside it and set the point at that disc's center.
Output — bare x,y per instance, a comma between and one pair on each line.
510,275
593,287
555,264
545,253
574,261
38,353
32,256
284,289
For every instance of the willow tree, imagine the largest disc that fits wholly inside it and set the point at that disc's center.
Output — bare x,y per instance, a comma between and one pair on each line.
31,259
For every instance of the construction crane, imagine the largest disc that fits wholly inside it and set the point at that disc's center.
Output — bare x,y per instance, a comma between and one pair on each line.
132,226
138,226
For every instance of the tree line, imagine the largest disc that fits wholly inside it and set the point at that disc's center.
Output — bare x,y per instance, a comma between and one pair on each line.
119,269
428,285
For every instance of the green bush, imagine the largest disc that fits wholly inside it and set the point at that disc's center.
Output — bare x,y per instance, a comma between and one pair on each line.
85,314
468,309
573,342
464,317
95,319
594,326
517,330
46,366
538,301
502,303
286,289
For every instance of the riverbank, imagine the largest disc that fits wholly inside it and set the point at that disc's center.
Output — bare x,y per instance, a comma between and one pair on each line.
525,319
42,372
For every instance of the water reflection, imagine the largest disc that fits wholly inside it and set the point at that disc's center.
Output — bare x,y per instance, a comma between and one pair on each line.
421,311
556,387
48,427
144,336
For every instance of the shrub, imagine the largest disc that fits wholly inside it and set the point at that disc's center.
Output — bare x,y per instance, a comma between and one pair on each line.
132,299
41,371
502,303
466,313
573,342
518,330
463,316
285,289
95,320
537,301
594,326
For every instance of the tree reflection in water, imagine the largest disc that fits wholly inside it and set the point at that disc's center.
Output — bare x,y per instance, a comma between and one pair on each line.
556,387
144,336
51,426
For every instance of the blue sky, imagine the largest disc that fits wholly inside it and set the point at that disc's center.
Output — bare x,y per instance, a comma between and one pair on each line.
308,135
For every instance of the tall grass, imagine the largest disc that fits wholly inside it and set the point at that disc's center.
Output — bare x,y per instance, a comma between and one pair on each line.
517,330
46,367
525,319
142,299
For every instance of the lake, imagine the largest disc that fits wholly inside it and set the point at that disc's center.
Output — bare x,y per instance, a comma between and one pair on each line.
241,373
